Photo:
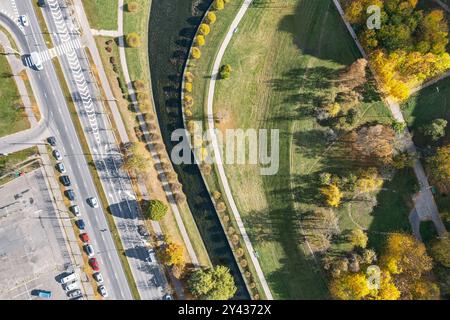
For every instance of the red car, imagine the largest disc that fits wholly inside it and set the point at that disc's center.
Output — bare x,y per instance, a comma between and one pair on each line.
84,237
94,264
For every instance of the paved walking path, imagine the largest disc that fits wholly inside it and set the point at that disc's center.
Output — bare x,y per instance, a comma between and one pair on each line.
425,205
217,154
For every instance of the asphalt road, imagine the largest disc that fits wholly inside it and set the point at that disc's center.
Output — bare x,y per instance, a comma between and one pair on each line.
148,275
56,116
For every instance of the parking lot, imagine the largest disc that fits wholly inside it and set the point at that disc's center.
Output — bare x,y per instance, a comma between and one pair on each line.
33,251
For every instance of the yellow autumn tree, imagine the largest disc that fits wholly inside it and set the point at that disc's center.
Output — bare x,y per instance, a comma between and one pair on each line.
171,254
352,286
332,195
387,290
358,238
368,181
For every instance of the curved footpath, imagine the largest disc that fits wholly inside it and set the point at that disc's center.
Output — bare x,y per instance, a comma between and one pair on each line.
219,163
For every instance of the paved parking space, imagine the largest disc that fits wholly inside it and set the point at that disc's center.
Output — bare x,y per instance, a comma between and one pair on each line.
33,251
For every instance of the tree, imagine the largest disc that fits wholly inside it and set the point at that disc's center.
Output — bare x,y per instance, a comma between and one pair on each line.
352,286
156,210
188,87
358,238
332,195
368,181
434,130
403,160
211,17
204,29
439,165
196,53
133,40
200,40
212,284
219,4
171,254
136,162
387,290
225,71
440,251
139,85
353,76
132,6
374,144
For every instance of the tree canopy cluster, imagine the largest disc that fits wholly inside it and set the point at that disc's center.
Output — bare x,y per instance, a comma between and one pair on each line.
408,48
212,284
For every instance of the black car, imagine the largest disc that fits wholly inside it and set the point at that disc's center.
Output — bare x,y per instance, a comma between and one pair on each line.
70,194
52,141
65,180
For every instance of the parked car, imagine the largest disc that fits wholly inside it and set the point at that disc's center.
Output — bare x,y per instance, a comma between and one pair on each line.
60,167
142,230
57,155
44,294
93,202
51,141
24,20
167,297
80,224
98,277
70,194
94,264
71,286
65,180
103,291
84,237
151,255
69,278
74,294
89,250
75,210
41,3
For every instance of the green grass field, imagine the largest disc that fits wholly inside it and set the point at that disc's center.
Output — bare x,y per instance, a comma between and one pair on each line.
283,58
102,14
12,117
137,58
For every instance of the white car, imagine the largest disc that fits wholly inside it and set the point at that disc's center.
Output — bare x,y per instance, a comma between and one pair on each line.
98,277
61,168
75,210
93,202
103,291
89,250
71,286
24,20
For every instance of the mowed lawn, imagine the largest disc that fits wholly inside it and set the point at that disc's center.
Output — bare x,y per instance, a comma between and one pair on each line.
283,58
12,118
102,14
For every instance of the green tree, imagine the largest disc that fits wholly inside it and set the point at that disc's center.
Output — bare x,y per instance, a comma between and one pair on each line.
439,165
225,71
434,130
133,40
358,238
156,210
212,284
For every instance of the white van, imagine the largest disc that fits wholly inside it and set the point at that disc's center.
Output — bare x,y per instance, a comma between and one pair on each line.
36,60
69,278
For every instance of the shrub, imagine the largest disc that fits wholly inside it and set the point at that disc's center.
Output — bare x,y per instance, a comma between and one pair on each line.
239,252
139,85
109,42
216,195
211,17
221,207
225,71
188,101
188,113
189,77
156,210
108,49
204,29
133,6
112,60
188,87
243,263
133,40
179,198
196,53
219,4
200,40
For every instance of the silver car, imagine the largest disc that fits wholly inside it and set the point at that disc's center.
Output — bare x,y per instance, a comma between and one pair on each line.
74,294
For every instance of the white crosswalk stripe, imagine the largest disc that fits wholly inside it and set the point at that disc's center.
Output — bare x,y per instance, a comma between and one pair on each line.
63,48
